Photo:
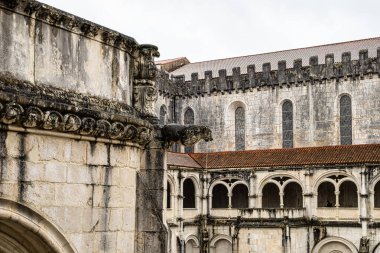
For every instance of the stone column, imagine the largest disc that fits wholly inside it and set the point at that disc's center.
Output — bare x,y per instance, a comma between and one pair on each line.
364,218
252,191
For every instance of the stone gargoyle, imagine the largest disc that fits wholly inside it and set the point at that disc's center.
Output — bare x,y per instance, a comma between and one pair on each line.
187,135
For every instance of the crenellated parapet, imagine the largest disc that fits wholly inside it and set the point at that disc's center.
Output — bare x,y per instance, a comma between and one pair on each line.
284,75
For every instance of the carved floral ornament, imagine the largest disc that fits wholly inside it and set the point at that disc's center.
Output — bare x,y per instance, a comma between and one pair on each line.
34,117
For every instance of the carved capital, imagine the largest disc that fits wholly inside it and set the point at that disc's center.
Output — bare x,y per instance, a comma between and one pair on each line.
144,98
144,67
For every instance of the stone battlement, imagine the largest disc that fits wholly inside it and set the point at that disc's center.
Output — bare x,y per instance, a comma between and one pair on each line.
313,72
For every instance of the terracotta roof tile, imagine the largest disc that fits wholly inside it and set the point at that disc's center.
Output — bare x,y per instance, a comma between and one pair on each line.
328,155
182,160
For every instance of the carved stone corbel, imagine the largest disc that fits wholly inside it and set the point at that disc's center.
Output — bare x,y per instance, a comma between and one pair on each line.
145,91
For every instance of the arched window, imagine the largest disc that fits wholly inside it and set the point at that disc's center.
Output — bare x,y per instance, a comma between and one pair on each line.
326,195
287,124
240,196
377,195
168,195
293,196
271,196
188,193
240,128
345,120
163,112
219,196
348,196
188,119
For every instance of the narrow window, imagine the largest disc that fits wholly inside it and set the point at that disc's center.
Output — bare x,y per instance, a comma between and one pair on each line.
271,196
188,194
348,195
219,196
188,119
162,115
287,124
240,128
240,196
168,196
326,195
345,120
377,195
293,196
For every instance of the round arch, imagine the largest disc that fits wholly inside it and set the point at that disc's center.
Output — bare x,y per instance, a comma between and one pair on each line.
331,243
269,178
193,238
42,235
324,177
220,237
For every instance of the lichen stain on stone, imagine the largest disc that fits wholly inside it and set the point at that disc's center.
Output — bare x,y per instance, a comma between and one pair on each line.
21,166
3,152
115,71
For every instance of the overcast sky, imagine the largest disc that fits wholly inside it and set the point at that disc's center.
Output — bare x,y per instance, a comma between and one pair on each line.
213,29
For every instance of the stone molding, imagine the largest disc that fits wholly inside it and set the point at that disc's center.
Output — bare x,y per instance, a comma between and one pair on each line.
72,23
298,75
46,108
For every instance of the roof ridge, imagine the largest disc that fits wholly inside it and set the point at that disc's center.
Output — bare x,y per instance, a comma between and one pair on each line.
286,50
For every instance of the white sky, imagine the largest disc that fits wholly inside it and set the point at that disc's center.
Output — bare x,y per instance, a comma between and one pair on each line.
213,29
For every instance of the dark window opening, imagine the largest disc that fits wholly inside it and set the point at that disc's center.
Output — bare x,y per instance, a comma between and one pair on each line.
348,195
168,196
345,120
271,196
188,194
239,196
287,124
293,196
377,195
162,115
326,195
240,128
189,120
219,196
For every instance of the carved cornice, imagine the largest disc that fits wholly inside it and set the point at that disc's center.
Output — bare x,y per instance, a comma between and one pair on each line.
53,16
47,108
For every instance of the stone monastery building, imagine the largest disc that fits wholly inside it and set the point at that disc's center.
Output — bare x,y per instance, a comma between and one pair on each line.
277,152
294,161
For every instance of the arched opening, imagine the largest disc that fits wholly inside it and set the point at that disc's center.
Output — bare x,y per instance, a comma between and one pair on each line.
240,196
188,119
163,112
377,196
23,230
240,128
271,196
191,247
188,193
168,195
326,195
219,196
287,124
345,120
348,196
223,246
334,245
293,196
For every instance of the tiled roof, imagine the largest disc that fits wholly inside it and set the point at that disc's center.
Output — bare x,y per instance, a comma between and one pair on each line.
288,55
293,157
182,160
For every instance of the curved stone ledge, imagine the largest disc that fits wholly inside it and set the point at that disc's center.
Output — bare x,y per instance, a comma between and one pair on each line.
46,108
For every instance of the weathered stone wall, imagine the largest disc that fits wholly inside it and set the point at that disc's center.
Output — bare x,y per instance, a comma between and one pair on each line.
315,113
86,189
61,50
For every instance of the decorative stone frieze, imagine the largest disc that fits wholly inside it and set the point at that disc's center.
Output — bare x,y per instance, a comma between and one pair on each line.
46,108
